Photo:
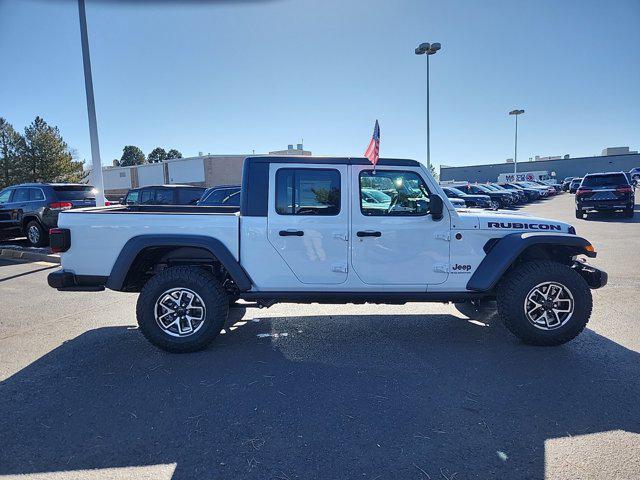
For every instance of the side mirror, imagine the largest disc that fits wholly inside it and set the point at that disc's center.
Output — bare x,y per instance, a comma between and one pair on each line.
435,207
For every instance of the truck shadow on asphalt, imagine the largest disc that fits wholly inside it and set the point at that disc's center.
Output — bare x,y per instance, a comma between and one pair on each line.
341,396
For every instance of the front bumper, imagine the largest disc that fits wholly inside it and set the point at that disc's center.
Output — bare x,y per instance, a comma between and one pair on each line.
594,277
69,282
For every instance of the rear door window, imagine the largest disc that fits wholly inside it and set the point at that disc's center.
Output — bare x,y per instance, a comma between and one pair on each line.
604,180
21,195
307,191
164,196
74,192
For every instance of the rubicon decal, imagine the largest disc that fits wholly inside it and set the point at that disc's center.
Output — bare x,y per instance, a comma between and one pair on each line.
524,226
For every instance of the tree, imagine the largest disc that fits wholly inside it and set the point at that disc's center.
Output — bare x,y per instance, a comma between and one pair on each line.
173,153
157,155
45,157
432,170
10,147
131,155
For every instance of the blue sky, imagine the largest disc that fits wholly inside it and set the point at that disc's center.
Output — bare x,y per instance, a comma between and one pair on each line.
223,78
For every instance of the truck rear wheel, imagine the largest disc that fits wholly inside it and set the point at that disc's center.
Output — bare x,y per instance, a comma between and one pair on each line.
182,309
544,303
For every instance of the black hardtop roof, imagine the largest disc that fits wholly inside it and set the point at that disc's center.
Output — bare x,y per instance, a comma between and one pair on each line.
330,160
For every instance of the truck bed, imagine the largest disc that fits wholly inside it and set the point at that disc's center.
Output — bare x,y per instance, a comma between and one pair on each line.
99,234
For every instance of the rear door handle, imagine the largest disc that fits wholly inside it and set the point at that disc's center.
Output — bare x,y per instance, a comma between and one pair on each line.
369,233
291,233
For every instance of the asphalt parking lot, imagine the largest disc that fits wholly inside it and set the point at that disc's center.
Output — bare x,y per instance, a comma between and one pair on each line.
322,392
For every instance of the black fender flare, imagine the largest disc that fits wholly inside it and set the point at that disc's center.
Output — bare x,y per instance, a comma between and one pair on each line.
503,252
136,244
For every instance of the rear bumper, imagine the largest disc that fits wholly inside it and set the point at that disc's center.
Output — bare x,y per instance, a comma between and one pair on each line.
594,277
69,282
604,205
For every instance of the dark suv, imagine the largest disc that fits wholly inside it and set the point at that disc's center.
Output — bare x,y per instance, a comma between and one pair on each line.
164,195
605,192
32,208
222,195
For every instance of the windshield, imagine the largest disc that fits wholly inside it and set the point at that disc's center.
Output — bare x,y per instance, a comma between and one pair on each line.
75,192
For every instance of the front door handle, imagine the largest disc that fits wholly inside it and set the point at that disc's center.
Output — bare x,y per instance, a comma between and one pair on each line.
369,233
291,233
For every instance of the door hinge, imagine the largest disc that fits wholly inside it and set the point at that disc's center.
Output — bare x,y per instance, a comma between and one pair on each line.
446,236
339,268
441,267
341,236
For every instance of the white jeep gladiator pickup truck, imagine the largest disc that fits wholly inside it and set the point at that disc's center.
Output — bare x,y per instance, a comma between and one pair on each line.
329,230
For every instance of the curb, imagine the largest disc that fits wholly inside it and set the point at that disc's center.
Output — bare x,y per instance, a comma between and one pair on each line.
16,254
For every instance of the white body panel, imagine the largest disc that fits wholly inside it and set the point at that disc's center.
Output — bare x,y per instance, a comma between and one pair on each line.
98,238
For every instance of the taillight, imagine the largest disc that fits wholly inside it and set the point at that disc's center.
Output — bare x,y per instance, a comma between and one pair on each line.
60,205
59,239
624,189
582,191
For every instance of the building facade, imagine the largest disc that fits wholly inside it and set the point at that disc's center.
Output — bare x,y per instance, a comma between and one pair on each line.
201,171
558,167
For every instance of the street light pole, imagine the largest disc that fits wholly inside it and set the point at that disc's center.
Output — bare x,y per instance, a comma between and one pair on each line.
91,108
428,49
515,148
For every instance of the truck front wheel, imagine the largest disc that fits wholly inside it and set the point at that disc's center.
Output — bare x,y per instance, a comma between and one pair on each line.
182,309
544,302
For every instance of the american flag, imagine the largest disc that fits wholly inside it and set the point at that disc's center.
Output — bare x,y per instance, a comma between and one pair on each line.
373,150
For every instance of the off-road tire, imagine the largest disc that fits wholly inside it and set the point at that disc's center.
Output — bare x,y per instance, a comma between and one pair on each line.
198,280
514,288
42,234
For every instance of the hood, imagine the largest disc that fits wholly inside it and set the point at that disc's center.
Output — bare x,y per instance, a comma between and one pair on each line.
506,221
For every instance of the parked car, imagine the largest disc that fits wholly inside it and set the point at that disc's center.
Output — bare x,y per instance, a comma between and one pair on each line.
531,193
31,209
222,195
164,195
457,202
502,199
575,183
545,191
520,197
565,184
304,234
470,200
605,192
